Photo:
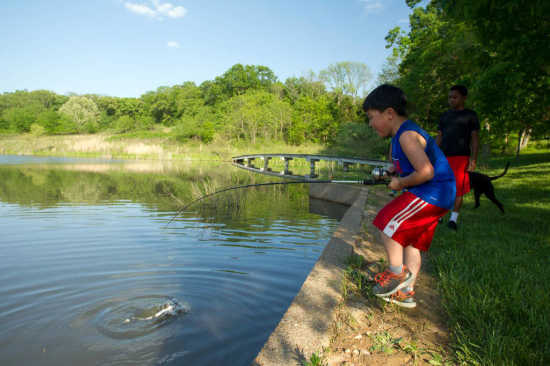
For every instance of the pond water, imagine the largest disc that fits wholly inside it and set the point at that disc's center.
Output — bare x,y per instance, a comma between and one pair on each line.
94,273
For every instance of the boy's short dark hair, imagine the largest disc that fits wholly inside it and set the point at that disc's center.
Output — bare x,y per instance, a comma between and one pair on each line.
386,96
461,89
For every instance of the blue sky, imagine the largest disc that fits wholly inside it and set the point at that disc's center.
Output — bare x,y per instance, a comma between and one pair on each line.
126,48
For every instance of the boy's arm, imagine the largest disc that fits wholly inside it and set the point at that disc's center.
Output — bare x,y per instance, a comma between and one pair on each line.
413,146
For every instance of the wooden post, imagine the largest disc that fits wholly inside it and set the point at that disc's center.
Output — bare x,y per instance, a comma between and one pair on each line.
287,159
312,168
266,164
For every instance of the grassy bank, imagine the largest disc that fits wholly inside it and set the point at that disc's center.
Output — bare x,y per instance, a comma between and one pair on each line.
494,273
154,145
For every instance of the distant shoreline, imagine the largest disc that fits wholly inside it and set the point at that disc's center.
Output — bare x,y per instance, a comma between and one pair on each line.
112,146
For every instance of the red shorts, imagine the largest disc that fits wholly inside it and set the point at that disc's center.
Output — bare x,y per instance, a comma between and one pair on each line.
459,165
409,220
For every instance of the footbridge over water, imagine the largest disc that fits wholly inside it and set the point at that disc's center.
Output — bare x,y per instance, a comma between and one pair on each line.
248,162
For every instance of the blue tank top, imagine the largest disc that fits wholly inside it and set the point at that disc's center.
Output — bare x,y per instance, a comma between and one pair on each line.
440,191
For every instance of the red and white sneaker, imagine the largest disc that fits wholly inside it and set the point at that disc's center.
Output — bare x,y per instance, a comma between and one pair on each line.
404,299
388,282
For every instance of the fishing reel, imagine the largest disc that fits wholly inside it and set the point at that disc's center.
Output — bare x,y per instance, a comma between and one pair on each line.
379,174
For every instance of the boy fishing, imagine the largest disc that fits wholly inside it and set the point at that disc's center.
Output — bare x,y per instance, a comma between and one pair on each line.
407,223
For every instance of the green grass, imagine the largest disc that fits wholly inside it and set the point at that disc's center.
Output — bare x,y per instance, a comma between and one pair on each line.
494,273
314,360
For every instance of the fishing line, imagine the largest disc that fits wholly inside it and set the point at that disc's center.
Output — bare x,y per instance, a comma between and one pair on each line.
375,181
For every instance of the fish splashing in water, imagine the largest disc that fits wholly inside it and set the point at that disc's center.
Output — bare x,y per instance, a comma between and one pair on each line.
170,308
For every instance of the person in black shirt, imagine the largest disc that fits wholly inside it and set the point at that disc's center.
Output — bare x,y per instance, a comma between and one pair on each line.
458,138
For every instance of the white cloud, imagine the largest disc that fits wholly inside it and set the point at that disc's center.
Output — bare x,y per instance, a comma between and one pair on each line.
372,6
140,9
173,44
157,10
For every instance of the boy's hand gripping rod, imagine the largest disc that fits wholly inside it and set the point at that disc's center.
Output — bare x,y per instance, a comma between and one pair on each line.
379,176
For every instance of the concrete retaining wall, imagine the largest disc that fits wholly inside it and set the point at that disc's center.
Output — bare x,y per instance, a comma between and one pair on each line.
304,328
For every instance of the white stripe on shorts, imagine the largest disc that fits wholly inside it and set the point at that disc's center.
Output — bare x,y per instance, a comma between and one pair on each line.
412,208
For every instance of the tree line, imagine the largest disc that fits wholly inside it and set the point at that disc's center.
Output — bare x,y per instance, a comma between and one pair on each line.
247,102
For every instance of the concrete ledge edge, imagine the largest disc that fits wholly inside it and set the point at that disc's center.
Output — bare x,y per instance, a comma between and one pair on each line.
305,326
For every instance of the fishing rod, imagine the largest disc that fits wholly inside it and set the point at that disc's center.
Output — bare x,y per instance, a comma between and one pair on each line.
379,177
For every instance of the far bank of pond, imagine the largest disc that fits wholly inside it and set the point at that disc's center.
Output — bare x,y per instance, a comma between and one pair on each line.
161,147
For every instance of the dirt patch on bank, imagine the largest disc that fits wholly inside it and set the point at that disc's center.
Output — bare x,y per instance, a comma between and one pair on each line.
370,331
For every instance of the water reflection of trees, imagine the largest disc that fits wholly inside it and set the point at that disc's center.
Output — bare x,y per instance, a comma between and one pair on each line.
42,187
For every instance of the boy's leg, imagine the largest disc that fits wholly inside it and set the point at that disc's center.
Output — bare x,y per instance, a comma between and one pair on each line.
394,251
396,276
413,261
407,225
404,296
459,165
390,221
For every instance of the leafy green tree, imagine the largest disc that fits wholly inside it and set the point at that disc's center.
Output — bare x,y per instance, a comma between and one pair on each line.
144,123
188,99
312,120
38,100
390,71
161,104
132,107
66,125
47,99
248,114
280,113
211,92
107,105
20,119
4,124
256,114
124,124
201,126
50,120
106,120
83,112
346,109
238,79
346,77
302,86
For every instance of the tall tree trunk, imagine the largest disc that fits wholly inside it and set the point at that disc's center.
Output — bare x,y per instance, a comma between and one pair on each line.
518,149
523,139
526,135
505,143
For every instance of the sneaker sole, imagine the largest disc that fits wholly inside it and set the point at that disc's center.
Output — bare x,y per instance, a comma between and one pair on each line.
408,305
398,287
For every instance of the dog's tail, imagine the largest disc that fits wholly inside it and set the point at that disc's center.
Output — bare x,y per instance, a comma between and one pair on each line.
500,175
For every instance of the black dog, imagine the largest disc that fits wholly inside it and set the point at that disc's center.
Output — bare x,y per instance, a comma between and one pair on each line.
481,183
